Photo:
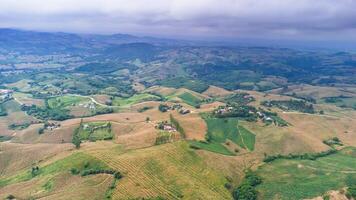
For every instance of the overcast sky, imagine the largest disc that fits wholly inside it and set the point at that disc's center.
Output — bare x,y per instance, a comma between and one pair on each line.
264,19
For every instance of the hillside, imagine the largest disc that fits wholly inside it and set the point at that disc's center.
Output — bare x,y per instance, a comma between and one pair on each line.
126,117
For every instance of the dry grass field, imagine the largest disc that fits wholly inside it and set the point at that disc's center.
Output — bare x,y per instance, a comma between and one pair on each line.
214,91
170,171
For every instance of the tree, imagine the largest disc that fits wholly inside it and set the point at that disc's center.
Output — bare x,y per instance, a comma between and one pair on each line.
245,192
41,130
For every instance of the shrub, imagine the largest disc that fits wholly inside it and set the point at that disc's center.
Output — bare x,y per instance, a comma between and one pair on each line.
41,130
163,108
305,156
247,190
351,192
10,196
74,171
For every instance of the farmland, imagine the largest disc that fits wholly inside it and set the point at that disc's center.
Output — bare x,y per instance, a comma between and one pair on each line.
220,131
296,179
172,121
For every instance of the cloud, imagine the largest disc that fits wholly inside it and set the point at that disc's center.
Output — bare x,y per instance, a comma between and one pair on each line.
196,18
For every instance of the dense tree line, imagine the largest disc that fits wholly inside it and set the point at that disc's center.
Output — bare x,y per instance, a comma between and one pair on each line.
88,172
245,112
296,105
305,156
177,125
76,140
46,113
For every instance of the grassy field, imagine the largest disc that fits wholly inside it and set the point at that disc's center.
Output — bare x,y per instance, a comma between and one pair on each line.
65,101
344,102
299,179
248,138
95,131
137,98
220,130
79,161
50,180
190,99
212,146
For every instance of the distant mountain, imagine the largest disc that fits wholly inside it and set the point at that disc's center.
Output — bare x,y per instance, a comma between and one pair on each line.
46,42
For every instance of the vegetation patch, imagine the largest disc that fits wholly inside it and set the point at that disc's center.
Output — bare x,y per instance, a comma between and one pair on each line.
4,138
305,156
19,126
288,105
341,101
145,108
166,137
332,142
65,101
238,98
46,113
244,112
305,178
190,99
137,98
177,126
219,130
75,162
247,189
222,129
94,131
2,110
247,137
211,146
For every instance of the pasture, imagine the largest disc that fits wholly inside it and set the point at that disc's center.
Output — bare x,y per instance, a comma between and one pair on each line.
299,179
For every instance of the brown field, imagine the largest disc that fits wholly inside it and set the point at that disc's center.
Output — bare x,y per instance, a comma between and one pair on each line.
193,125
15,157
66,187
15,115
161,90
214,91
27,99
79,111
260,96
102,98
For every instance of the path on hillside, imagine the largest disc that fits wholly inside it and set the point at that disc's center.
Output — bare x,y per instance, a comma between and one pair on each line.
18,101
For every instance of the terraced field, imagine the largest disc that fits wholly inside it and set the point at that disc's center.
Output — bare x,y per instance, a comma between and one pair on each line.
299,179
170,171
53,177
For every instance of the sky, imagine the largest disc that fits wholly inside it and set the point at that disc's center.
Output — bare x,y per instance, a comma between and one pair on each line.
314,20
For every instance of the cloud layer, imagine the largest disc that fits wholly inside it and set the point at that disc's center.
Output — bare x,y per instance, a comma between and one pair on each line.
307,19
